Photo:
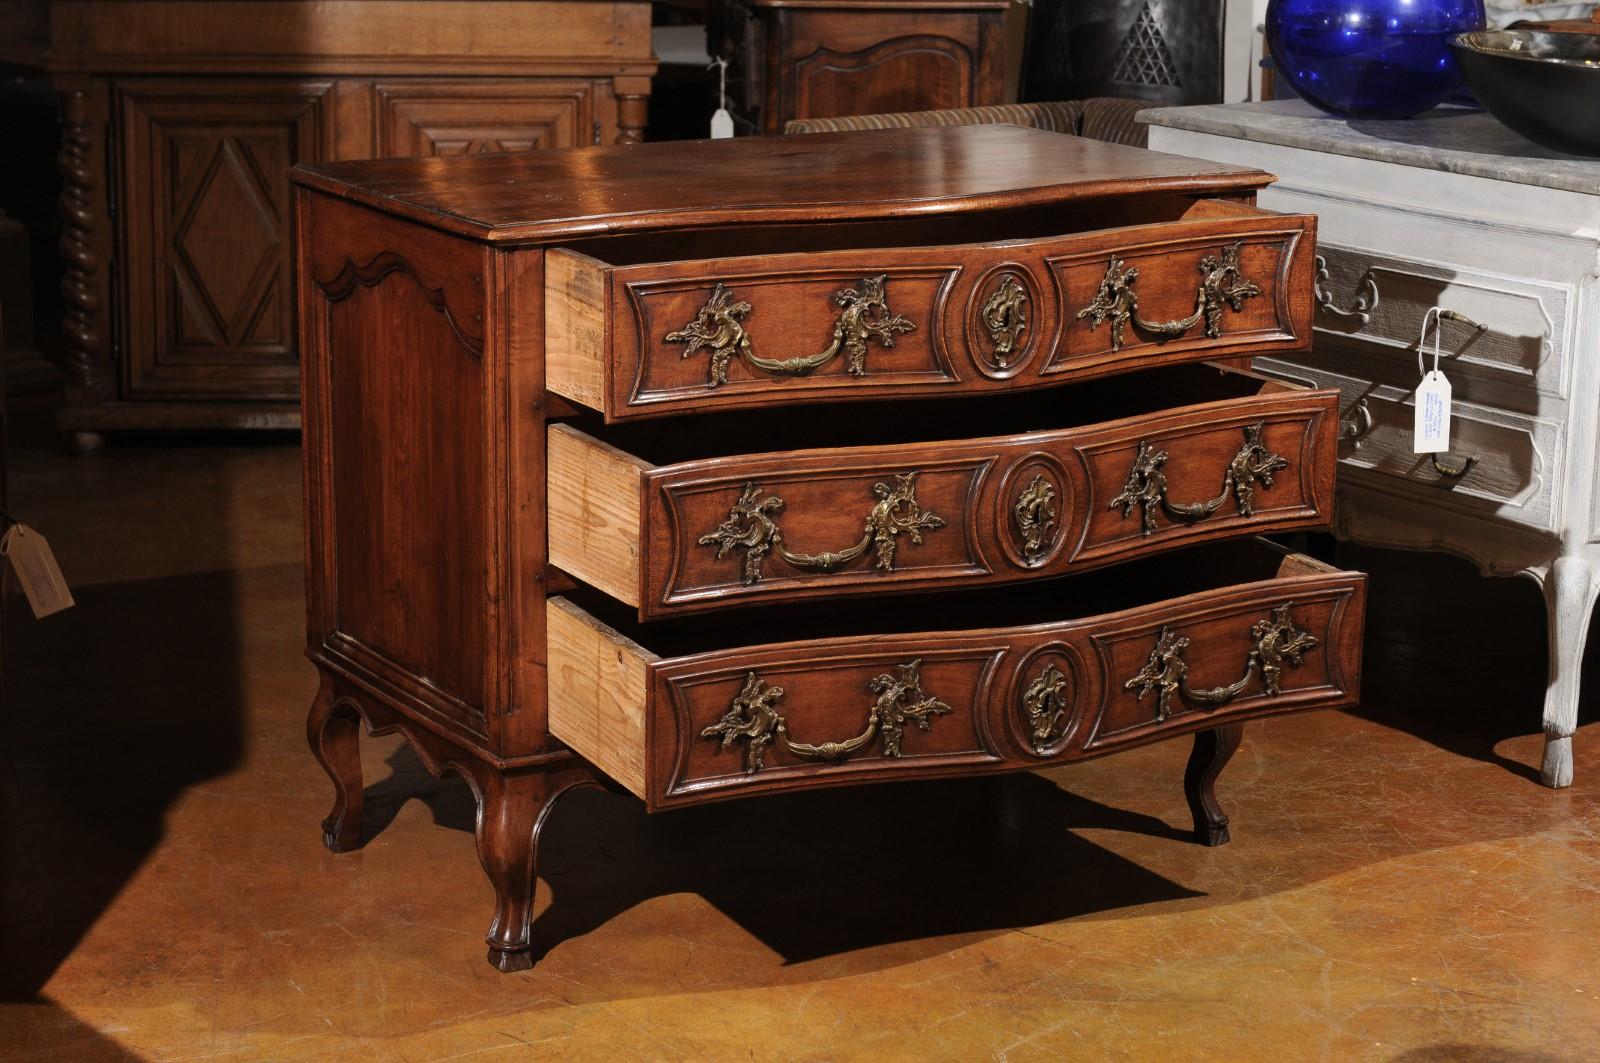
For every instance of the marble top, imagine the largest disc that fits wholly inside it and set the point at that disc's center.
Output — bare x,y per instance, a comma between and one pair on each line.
1454,139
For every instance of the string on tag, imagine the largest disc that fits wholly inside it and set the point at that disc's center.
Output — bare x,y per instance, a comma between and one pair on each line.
721,121
1435,314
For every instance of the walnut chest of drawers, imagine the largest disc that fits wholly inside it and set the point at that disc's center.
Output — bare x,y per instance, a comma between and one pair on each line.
718,469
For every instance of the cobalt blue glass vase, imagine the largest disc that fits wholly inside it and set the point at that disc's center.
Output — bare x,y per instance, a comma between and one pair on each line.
1370,58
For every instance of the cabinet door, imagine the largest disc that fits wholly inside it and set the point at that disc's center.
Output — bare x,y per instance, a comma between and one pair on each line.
438,117
208,232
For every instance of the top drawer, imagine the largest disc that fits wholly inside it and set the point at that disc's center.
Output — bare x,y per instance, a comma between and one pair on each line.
649,339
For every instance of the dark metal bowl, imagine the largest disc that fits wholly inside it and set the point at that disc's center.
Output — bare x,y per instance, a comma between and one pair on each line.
1545,86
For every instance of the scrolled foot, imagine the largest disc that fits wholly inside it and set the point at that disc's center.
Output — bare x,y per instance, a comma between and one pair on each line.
510,962
333,731
1212,751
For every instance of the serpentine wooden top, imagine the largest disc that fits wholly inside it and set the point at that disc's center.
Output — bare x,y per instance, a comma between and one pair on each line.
889,173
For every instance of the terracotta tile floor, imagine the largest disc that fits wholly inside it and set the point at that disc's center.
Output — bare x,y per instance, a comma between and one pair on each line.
1398,886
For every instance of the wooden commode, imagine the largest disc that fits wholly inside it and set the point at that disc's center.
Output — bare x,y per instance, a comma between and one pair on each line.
715,469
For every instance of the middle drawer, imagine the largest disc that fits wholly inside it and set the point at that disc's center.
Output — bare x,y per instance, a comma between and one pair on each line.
663,519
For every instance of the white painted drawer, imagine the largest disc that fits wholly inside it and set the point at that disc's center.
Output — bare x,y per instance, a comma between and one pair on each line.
1515,474
1374,303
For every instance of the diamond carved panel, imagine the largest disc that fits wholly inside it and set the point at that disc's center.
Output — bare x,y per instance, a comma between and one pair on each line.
227,242
208,309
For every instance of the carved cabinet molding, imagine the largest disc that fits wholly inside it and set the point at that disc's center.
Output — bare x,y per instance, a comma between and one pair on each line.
823,58
182,120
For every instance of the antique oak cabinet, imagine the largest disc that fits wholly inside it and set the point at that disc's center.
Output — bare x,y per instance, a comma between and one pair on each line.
824,58
181,118
720,469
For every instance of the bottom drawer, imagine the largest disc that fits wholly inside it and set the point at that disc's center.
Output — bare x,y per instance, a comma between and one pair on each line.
960,684
1500,463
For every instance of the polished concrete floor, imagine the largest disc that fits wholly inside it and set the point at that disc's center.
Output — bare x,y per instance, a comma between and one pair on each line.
1399,886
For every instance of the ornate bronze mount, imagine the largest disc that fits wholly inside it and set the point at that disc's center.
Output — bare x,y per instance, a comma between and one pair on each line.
754,717
1146,486
1045,704
1278,641
1035,514
750,526
1005,315
865,316
1221,284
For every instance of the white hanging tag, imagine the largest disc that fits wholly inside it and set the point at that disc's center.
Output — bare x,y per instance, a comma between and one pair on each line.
35,565
722,121
1430,427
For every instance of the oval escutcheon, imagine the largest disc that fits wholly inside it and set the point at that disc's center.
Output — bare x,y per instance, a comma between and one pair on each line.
1002,324
1044,706
1033,506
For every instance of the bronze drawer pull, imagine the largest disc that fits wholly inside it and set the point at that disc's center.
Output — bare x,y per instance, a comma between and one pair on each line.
750,526
1451,472
1221,284
754,717
865,316
1146,486
1278,642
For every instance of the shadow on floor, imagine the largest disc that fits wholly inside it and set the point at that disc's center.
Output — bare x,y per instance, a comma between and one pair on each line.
1456,658
111,710
877,862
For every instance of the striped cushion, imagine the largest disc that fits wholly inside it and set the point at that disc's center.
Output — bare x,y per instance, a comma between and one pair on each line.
1109,118
1059,117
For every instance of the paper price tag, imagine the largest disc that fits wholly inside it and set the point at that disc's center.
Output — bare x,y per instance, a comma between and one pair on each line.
721,124
35,565
1430,431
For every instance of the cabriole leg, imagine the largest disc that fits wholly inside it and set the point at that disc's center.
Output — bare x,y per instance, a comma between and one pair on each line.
1569,594
1212,751
512,810
334,731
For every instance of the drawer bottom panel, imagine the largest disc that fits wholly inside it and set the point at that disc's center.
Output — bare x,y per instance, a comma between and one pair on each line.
1243,629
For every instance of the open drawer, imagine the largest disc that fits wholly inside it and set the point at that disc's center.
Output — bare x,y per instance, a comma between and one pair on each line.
646,338
1016,678
674,518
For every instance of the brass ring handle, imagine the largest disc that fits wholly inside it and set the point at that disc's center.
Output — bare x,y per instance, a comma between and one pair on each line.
754,718
1146,486
1451,472
1277,642
718,329
1221,284
751,527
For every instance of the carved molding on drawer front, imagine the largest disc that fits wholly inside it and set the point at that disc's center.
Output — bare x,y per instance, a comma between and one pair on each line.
766,719
1204,662
1277,642
882,322
750,527
1147,486
1222,285
1527,321
864,317
754,718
